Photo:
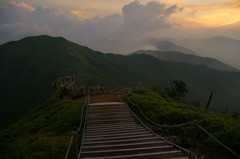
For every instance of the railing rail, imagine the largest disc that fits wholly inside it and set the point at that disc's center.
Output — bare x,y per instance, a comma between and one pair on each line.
179,147
75,131
84,126
166,126
219,142
195,122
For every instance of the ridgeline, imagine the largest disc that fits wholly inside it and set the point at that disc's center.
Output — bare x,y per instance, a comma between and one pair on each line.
29,66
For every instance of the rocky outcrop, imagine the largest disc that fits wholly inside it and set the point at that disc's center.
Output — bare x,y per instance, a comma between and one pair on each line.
65,88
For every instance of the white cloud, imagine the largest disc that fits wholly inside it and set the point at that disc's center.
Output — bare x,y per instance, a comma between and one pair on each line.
140,19
136,21
17,31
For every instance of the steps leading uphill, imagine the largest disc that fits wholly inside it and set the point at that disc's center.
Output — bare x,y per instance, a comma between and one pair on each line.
112,133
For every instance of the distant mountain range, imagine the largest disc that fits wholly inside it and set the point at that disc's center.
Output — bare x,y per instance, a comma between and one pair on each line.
29,66
222,48
188,58
166,45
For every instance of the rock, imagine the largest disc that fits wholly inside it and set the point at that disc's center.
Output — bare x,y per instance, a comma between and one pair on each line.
65,88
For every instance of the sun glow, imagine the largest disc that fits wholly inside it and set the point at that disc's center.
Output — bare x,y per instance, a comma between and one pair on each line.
22,5
210,15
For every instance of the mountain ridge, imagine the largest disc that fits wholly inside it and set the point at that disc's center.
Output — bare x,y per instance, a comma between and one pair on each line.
222,48
176,56
166,44
29,66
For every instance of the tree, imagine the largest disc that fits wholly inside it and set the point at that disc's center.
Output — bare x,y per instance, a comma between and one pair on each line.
178,89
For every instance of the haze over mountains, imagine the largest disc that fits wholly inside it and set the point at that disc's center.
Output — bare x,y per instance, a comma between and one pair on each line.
176,56
222,48
29,66
167,45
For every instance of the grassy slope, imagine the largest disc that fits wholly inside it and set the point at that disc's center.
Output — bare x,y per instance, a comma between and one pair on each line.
28,68
164,110
43,134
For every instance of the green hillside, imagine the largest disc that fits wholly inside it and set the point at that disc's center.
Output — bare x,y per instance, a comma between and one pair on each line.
166,111
43,134
29,66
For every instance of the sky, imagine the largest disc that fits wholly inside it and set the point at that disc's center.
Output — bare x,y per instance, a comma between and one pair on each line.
119,25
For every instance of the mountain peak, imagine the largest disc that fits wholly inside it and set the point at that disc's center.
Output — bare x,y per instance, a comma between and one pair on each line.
176,56
42,37
167,45
223,40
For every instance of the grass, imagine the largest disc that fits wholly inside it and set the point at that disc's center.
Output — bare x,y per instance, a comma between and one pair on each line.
164,110
43,134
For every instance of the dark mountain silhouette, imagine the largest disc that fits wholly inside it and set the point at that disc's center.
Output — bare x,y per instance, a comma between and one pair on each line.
29,66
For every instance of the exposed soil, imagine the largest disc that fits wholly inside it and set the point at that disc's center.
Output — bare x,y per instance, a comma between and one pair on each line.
104,98
111,96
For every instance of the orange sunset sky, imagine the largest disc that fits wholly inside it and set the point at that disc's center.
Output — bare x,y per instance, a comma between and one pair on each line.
208,13
109,19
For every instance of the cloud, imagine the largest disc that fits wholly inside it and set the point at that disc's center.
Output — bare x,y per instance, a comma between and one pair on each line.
136,21
23,5
17,17
19,30
139,20
229,5
210,15
82,14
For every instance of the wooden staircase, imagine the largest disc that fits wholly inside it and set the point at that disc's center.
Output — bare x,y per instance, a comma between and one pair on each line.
111,133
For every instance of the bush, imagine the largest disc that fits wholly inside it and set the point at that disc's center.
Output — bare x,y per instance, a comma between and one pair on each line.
164,110
43,134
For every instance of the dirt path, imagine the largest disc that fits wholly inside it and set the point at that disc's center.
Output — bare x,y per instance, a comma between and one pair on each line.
104,98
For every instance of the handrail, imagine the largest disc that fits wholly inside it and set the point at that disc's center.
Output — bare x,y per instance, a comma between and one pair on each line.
75,132
181,148
230,150
187,123
85,104
167,126
69,146
79,153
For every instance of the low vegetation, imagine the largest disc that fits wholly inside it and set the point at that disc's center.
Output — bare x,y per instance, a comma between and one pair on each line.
164,110
43,134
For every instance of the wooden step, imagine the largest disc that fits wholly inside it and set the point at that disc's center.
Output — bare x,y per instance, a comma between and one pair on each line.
112,133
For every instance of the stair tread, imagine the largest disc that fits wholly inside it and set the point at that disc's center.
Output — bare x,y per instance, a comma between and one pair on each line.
111,132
